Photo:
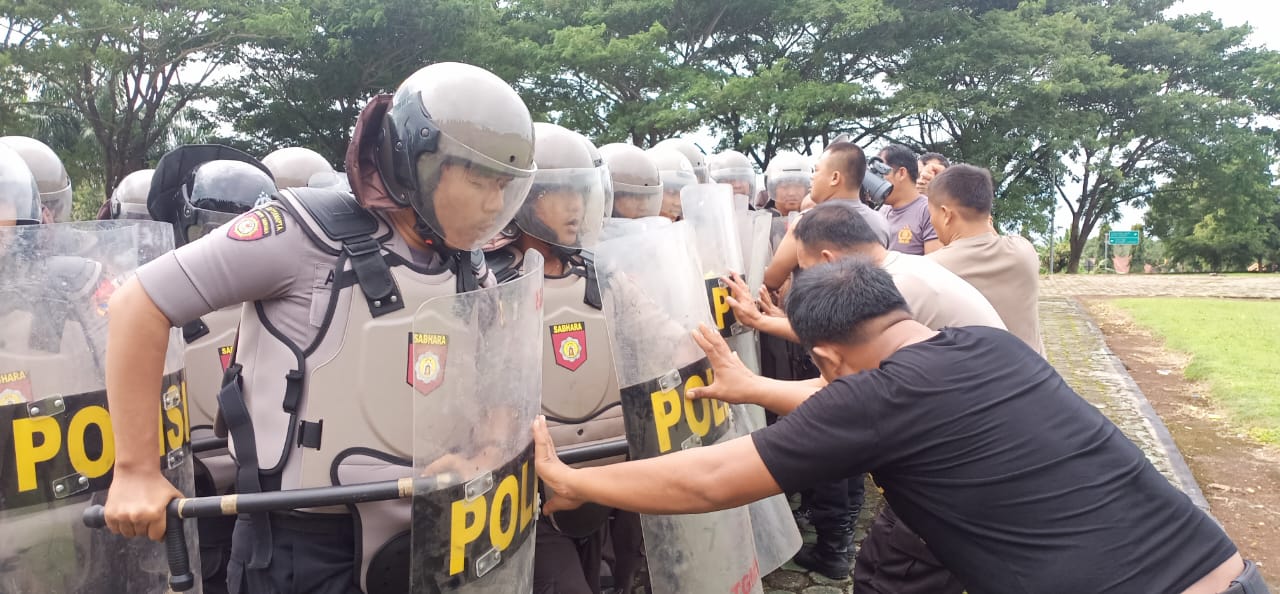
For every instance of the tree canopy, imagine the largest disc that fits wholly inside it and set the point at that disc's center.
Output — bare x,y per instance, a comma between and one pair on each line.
1093,104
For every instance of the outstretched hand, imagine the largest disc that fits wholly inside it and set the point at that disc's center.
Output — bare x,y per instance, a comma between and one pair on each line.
553,473
731,380
744,307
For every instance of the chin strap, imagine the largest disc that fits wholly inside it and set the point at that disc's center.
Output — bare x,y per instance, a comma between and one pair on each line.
468,267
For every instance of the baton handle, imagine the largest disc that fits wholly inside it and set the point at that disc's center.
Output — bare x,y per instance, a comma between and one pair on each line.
175,543
175,548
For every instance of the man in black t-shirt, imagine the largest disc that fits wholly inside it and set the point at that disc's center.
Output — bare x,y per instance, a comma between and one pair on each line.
1016,483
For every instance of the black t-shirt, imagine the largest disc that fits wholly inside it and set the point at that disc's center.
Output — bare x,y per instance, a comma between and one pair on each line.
1015,482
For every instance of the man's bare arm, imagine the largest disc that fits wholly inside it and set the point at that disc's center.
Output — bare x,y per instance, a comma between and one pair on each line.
697,480
733,383
784,262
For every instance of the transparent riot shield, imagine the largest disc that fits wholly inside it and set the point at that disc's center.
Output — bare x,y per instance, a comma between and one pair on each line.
57,448
652,288
477,374
714,221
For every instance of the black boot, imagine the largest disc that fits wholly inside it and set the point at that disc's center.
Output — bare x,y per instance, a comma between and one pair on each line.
829,556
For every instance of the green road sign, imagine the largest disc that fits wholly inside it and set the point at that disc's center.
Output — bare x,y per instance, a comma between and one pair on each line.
1122,238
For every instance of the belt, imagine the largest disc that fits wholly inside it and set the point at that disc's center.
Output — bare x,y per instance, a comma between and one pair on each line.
313,523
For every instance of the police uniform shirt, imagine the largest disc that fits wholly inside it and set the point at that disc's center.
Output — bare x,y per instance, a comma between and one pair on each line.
1006,270
910,227
936,296
1017,483
272,261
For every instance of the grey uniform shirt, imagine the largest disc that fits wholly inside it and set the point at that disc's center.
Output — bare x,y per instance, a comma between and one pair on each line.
936,296
263,255
909,226
1006,270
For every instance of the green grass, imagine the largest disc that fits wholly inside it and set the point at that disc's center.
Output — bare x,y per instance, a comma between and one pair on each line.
1234,346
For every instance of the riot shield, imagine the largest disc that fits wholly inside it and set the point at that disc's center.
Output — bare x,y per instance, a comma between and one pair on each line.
711,213
57,448
477,381
652,288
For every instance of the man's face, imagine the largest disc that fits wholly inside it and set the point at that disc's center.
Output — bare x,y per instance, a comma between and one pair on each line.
788,195
671,205
741,187
898,176
823,176
468,201
561,211
630,206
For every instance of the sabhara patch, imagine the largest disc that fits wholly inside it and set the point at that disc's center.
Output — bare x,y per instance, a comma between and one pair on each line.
569,344
260,222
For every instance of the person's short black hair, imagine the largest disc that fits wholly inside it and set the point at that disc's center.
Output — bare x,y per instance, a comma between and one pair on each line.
850,161
831,302
900,155
966,185
939,157
835,225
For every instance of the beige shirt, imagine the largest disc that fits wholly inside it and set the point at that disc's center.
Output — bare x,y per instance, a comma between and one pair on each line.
1006,270
937,298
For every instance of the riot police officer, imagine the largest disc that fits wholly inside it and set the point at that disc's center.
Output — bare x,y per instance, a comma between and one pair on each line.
734,168
563,215
788,178
331,281
51,176
637,185
19,195
676,173
692,152
298,167
129,199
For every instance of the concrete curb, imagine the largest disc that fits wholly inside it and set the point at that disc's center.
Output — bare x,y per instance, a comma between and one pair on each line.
1181,471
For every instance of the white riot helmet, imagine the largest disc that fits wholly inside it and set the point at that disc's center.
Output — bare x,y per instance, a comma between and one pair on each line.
734,168
676,172
637,185
692,152
19,195
129,199
298,167
788,178
51,176
567,201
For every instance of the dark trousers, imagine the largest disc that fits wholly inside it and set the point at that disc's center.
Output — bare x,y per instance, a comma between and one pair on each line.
1249,582
894,560
564,565
625,551
312,553
834,507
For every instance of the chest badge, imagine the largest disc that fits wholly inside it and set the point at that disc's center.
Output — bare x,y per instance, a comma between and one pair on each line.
904,236
425,368
15,388
569,344
224,356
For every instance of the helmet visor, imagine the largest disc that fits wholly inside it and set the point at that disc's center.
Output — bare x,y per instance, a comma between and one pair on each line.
129,211
672,182
566,207
58,203
743,180
789,187
466,196
634,202
203,222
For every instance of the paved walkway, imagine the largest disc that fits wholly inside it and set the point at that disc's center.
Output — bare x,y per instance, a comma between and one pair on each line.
1255,286
1077,349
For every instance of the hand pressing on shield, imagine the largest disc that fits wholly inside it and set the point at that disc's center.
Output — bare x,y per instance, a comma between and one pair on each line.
771,320
554,474
732,382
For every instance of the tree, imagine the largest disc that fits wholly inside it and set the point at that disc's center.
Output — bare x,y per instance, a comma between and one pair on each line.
1223,215
306,87
131,69
1153,90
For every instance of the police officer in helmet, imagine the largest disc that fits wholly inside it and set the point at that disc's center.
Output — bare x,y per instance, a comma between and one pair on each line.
329,278
19,195
298,167
637,185
51,176
129,199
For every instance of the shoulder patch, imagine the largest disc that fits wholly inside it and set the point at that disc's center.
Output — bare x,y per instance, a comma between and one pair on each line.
263,221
